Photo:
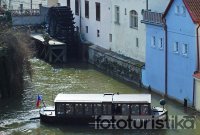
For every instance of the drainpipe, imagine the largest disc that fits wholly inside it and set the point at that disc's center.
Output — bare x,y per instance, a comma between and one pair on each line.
166,57
198,62
147,5
80,16
197,31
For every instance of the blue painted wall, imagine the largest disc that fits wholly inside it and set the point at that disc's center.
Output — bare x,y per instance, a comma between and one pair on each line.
181,29
181,67
154,73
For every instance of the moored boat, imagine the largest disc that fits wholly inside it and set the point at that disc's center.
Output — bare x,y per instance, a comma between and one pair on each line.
87,108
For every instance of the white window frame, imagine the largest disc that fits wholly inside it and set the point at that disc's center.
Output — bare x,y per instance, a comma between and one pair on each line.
177,10
183,11
153,41
117,14
176,47
133,19
185,49
161,43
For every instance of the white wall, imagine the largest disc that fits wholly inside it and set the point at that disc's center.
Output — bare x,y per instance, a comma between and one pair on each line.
62,2
103,25
197,92
123,37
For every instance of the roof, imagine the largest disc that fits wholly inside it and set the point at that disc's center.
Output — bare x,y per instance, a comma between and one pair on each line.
197,75
192,6
51,42
99,98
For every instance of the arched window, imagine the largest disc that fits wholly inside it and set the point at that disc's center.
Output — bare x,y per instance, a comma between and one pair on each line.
133,19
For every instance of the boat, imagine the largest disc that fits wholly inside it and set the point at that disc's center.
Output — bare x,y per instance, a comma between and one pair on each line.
85,109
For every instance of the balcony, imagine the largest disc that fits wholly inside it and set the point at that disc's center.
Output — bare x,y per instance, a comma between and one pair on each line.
25,12
153,18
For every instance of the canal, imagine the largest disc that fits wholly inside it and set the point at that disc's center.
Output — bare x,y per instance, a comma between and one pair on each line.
50,80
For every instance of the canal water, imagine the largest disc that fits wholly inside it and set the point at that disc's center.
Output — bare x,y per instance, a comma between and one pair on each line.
50,80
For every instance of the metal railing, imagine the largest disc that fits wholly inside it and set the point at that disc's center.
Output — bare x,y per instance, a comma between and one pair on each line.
152,17
25,12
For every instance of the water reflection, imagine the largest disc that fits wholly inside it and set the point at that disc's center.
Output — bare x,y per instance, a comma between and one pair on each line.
50,80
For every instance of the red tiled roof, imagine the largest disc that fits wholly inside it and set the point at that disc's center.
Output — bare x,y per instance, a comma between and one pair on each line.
197,75
168,7
193,7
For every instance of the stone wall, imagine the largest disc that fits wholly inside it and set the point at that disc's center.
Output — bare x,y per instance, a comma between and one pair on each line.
116,65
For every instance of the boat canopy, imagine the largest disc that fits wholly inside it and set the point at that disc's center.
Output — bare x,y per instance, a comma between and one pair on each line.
100,98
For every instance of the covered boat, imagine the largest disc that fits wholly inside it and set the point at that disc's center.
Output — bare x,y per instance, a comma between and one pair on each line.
85,108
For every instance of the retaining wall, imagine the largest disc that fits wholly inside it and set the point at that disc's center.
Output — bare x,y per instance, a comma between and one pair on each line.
115,64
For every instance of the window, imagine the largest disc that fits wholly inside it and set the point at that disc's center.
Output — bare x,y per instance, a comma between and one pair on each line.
88,109
125,11
160,45
86,29
86,9
144,109
97,109
98,33
117,14
118,109
98,10
68,3
76,7
135,109
110,37
153,41
176,48
125,109
60,109
78,109
137,42
177,10
133,19
69,109
183,11
107,109
185,49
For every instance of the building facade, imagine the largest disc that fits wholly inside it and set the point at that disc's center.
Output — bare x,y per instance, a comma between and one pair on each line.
93,20
118,26
128,33
172,55
197,91
153,75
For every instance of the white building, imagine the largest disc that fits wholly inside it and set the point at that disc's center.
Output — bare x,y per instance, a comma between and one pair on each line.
128,32
114,24
94,20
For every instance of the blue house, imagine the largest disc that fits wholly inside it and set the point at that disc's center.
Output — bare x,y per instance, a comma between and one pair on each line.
154,72
172,54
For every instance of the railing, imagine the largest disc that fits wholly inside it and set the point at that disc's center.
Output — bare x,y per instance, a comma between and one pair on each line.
25,12
152,17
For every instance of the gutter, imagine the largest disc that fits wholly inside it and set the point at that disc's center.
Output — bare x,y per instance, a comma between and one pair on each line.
198,62
166,57
147,5
80,17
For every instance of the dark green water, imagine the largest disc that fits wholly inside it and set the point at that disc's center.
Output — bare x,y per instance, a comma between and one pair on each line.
74,78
